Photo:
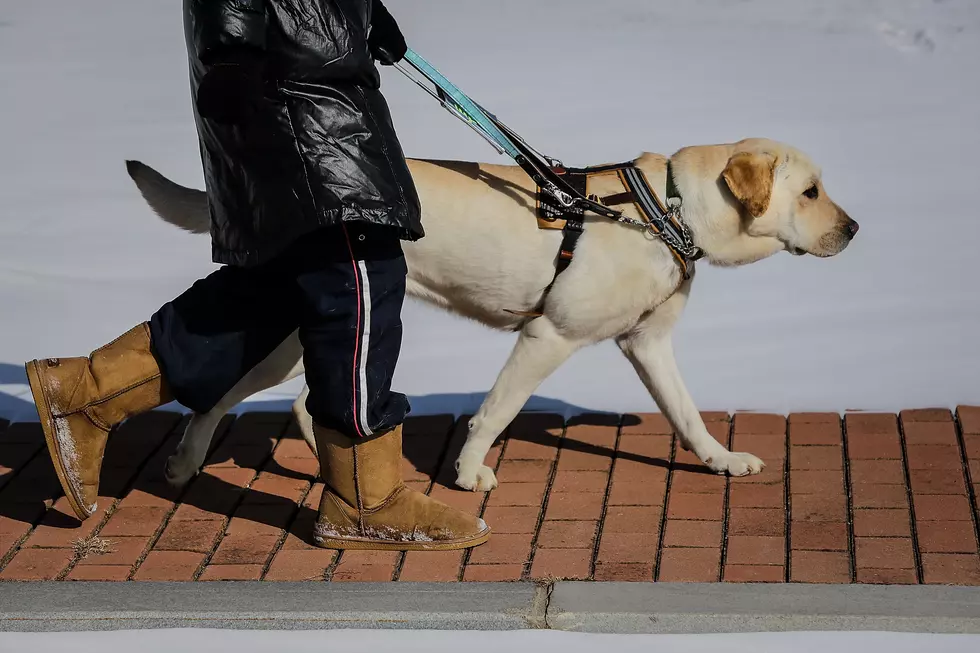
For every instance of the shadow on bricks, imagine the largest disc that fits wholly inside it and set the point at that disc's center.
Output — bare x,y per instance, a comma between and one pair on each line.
250,446
28,483
545,429
133,473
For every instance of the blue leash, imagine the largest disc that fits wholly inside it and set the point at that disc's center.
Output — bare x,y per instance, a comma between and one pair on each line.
461,105
538,166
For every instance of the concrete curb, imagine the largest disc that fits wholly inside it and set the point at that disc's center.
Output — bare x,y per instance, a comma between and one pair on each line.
654,608
729,608
265,605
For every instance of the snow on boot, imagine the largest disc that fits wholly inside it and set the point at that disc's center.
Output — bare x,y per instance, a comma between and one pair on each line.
79,400
365,504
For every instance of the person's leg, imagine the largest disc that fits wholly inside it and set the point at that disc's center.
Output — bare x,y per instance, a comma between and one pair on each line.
194,349
207,339
351,333
351,328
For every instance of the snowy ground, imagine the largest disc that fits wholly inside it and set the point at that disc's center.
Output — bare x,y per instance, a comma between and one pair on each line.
882,93
410,641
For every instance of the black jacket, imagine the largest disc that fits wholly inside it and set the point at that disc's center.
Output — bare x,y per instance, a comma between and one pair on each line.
317,145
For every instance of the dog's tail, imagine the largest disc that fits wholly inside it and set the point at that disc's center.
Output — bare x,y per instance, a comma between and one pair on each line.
182,207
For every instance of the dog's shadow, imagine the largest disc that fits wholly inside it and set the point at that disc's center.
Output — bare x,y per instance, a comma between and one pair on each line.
270,444
548,429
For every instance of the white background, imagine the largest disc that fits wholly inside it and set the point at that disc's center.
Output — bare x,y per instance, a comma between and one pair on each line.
413,641
882,94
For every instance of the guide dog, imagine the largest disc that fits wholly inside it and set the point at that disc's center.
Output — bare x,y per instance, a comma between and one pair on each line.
484,257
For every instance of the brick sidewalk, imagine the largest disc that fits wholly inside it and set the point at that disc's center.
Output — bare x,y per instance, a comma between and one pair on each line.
875,498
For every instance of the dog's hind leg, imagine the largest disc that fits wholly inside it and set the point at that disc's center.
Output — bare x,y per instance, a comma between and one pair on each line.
284,363
539,351
649,348
303,418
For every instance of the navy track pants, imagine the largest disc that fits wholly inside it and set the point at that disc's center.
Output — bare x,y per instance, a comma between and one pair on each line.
343,287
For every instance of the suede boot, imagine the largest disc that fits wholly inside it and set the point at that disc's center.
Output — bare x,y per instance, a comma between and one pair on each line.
365,504
79,400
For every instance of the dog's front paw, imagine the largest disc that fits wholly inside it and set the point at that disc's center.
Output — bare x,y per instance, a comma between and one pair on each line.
736,464
482,480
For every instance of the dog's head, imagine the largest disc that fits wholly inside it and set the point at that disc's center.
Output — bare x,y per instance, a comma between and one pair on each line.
781,195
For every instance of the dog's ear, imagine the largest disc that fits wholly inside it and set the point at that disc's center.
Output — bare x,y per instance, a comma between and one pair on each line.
750,177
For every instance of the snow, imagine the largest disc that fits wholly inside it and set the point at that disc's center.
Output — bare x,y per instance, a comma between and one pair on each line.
417,641
881,93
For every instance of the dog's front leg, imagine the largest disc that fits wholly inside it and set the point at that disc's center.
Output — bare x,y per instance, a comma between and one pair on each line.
539,351
651,352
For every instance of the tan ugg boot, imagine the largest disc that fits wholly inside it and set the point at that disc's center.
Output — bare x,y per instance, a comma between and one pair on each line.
79,400
365,505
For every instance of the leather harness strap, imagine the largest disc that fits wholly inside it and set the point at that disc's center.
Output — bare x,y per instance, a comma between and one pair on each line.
660,220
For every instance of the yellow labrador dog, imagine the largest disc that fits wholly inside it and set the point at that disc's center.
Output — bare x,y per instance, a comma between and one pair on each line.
485,256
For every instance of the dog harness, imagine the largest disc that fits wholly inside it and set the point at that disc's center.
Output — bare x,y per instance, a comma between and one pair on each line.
662,220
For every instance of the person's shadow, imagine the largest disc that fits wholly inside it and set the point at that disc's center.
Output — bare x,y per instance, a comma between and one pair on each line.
268,441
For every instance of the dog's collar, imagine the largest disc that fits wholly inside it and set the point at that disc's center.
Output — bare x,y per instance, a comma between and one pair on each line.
671,190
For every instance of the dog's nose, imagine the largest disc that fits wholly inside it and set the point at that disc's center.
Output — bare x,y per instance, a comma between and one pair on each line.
852,227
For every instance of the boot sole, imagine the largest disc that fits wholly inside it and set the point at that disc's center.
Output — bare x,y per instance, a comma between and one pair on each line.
369,544
54,449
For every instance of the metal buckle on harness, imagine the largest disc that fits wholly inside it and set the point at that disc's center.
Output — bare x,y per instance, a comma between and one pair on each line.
553,162
563,198
657,226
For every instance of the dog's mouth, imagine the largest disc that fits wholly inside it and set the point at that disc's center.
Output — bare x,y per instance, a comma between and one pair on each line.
793,249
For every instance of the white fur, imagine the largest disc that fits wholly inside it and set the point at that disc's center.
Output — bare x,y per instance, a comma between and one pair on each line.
484,254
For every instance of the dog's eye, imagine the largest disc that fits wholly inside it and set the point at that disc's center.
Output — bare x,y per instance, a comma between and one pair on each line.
812,192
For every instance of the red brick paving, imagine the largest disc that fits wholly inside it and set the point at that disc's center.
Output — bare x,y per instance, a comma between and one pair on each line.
170,565
296,565
872,498
753,573
756,541
440,566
